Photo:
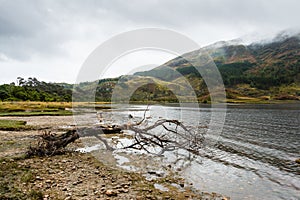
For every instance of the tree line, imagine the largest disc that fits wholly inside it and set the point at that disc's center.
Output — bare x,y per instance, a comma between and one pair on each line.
34,90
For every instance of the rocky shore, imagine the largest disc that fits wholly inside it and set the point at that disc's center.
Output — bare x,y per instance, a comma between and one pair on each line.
76,175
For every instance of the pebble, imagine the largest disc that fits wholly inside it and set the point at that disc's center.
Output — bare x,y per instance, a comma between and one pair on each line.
84,194
149,197
48,181
79,181
117,187
111,193
123,190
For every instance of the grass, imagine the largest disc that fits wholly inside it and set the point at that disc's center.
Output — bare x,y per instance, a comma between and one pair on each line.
13,173
27,177
28,105
14,125
20,109
27,108
244,93
259,101
36,113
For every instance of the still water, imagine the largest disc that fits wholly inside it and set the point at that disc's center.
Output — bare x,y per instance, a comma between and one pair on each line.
253,157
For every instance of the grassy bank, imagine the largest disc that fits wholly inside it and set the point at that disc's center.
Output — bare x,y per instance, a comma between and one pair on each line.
34,109
14,125
36,113
31,105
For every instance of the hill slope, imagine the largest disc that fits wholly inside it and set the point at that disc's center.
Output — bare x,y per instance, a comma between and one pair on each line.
251,73
263,71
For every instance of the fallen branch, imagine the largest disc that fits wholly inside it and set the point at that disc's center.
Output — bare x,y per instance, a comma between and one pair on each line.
163,135
178,137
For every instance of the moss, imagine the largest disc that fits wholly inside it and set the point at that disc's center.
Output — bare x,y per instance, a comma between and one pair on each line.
35,195
27,177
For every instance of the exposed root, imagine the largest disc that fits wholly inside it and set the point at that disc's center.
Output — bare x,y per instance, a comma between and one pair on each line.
52,144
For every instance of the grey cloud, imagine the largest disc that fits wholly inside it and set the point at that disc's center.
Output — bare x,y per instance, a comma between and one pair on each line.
42,27
192,12
19,18
23,30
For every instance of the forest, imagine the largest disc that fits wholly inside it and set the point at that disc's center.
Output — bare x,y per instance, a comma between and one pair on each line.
34,90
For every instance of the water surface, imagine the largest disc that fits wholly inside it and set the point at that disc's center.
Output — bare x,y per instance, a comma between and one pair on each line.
253,158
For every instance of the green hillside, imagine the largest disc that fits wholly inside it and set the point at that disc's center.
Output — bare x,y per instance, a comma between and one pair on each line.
256,73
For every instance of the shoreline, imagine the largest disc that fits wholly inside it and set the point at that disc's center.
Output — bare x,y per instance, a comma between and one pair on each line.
76,175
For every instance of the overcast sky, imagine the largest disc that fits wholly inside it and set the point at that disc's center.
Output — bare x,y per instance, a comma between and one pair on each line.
50,39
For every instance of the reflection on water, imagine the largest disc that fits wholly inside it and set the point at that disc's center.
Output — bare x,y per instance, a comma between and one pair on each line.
253,158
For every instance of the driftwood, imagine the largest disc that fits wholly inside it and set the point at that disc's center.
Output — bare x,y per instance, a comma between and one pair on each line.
51,144
173,135
164,134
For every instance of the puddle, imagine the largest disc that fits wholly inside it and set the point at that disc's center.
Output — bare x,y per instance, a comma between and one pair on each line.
161,187
121,159
67,126
129,159
124,163
177,186
88,149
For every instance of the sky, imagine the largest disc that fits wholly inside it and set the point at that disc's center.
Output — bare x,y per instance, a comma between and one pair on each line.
51,39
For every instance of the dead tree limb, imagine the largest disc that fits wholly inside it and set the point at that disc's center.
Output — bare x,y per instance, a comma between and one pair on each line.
161,136
178,137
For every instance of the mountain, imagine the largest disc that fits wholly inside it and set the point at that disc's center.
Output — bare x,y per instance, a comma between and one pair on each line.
256,71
